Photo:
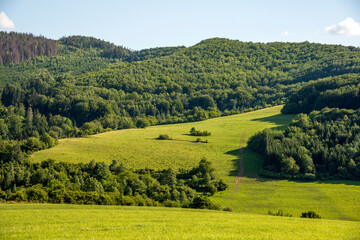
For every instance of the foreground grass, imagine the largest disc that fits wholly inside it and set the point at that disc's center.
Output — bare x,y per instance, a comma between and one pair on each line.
138,148
44,221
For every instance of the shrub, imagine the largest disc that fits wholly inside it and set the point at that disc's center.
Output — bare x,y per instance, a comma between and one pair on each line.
203,202
195,132
164,137
201,141
279,213
310,214
227,209
18,196
169,203
142,123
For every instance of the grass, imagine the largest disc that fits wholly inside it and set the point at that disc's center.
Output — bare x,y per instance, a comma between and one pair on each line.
139,148
45,221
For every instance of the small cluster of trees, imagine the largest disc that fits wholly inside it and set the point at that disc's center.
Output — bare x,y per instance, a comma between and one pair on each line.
310,214
323,144
195,132
100,183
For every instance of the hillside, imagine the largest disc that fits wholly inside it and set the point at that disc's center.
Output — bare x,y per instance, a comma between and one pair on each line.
91,85
139,148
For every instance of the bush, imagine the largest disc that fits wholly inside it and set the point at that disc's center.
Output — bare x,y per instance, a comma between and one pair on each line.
37,194
195,132
128,201
19,196
201,141
169,203
279,213
164,137
203,202
310,214
142,123
227,209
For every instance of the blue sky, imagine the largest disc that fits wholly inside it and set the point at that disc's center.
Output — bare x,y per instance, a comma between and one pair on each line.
139,24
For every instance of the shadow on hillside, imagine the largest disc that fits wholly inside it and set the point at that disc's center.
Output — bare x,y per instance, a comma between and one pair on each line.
282,120
236,164
332,181
253,172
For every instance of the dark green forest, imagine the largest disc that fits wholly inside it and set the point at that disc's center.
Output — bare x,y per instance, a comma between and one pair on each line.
77,86
333,92
100,183
324,140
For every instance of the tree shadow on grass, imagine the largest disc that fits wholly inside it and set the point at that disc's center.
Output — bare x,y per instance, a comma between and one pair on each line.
282,120
332,181
237,164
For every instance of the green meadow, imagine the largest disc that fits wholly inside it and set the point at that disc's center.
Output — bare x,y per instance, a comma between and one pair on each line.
46,221
139,148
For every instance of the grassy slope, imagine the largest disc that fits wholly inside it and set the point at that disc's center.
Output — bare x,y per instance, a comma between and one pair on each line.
114,222
138,149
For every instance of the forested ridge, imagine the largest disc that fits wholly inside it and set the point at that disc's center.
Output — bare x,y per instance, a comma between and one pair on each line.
87,85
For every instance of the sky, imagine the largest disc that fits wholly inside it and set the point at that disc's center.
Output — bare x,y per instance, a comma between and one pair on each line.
140,24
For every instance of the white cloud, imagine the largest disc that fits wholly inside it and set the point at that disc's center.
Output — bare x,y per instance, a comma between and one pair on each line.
347,27
5,22
287,33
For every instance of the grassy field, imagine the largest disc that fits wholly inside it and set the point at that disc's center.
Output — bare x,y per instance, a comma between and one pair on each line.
44,221
138,148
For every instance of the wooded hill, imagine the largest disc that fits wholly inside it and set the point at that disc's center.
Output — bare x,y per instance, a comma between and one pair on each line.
80,85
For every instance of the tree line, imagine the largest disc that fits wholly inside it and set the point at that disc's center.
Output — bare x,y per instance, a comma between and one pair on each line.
101,183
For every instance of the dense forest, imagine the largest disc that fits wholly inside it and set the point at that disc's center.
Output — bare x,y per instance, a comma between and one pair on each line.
333,92
324,140
79,86
322,145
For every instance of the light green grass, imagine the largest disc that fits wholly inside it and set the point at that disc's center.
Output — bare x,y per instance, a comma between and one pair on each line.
44,221
138,148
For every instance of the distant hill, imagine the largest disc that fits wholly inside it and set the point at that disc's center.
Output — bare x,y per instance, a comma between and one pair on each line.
89,85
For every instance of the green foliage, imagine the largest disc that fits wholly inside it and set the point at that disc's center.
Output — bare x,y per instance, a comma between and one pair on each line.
164,137
202,202
99,183
279,213
227,209
323,144
333,92
310,214
90,86
195,132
